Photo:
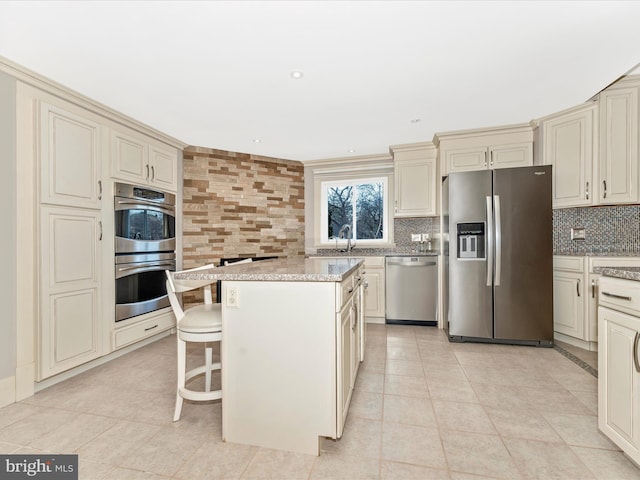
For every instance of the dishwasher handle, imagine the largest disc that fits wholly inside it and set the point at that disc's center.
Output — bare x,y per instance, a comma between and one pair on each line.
411,264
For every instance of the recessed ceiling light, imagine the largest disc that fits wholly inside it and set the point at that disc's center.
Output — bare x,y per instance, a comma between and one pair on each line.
297,74
256,140
415,120
351,150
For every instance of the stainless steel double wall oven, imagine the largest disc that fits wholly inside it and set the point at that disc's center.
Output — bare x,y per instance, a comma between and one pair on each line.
145,244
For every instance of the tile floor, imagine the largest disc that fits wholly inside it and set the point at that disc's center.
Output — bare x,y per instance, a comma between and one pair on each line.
423,408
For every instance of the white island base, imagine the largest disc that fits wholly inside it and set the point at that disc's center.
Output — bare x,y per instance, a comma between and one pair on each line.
290,353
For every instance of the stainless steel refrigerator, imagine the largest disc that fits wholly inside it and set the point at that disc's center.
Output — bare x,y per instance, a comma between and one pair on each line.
498,256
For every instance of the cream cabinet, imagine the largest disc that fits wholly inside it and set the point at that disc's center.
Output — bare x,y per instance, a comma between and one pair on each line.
499,147
70,159
415,180
139,159
374,306
70,326
569,317
619,134
575,296
569,144
619,365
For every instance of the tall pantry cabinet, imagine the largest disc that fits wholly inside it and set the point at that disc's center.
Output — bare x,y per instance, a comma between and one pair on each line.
69,159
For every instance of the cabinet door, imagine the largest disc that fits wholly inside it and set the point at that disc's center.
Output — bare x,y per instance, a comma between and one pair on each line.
592,313
345,366
508,156
466,159
568,304
618,380
70,320
69,158
163,168
619,146
568,146
415,188
374,292
129,158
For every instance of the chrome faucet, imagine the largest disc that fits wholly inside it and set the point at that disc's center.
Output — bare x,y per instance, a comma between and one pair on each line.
346,230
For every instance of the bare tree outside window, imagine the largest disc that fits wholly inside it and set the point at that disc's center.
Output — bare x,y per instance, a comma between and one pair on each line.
366,199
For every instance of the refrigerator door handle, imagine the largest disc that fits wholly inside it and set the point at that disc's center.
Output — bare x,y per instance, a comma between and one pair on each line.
489,241
498,240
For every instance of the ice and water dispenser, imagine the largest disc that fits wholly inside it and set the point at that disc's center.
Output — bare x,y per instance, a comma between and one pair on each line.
471,240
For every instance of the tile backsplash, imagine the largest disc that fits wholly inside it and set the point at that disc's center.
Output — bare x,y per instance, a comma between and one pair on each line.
614,229
404,227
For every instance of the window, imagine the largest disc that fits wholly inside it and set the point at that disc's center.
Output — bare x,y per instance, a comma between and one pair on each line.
359,203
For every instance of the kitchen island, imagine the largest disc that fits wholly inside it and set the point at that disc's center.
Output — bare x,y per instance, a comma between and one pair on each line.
292,340
618,358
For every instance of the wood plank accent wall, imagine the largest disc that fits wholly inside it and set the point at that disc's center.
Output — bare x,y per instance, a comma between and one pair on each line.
240,205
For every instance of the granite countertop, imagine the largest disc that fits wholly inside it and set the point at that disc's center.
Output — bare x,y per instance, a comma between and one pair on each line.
373,252
297,269
598,254
627,273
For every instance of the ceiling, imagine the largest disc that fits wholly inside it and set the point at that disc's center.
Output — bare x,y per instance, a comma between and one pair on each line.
218,73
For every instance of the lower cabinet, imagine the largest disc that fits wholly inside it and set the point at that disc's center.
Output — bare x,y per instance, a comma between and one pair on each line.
575,297
618,365
346,354
70,321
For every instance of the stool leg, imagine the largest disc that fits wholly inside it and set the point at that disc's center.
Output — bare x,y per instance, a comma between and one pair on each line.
208,358
182,368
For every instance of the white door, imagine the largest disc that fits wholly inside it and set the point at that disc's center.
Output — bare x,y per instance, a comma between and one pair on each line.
415,187
129,158
69,158
164,168
345,370
568,304
466,159
509,156
619,146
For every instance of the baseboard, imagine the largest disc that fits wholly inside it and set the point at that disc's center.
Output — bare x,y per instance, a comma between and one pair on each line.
7,391
576,342
378,320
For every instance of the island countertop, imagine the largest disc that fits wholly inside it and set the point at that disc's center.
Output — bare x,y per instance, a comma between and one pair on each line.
626,273
296,269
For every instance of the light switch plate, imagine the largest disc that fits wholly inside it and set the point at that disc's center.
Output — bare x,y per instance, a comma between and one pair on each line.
577,234
415,237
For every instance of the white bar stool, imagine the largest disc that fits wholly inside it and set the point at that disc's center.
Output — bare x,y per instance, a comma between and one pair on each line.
199,324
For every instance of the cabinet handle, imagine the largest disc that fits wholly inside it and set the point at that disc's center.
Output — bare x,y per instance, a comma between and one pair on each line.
396,206
578,287
604,184
153,172
635,351
491,159
350,290
100,230
485,159
99,189
151,328
366,284
587,190
147,171
593,289
613,295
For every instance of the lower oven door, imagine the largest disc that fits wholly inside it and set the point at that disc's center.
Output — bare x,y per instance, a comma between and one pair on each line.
141,283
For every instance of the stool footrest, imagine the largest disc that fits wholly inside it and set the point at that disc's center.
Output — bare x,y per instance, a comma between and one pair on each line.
199,396
200,370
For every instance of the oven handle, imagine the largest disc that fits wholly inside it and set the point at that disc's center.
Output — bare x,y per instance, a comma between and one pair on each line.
128,204
144,266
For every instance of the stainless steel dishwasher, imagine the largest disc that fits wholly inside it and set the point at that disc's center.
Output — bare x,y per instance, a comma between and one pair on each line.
411,289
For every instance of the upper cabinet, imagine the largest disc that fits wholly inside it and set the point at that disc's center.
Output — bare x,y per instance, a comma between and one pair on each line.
488,148
416,182
70,157
619,144
139,159
569,144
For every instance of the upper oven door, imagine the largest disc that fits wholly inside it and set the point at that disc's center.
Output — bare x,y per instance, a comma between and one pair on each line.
144,227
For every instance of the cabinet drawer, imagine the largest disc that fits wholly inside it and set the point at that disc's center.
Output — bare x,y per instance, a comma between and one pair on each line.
570,264
374,262
619,294
144,329
344,291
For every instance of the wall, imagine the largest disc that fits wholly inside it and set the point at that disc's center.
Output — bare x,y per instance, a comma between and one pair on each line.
607,229
240,205
8,221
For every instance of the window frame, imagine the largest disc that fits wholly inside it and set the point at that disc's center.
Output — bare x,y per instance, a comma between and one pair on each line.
326,184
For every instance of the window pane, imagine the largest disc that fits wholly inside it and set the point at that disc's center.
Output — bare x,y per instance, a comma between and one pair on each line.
369,211
339,208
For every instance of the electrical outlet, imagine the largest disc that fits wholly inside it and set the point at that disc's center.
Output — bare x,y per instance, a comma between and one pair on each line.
577,234
233,297
415,237
426,237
